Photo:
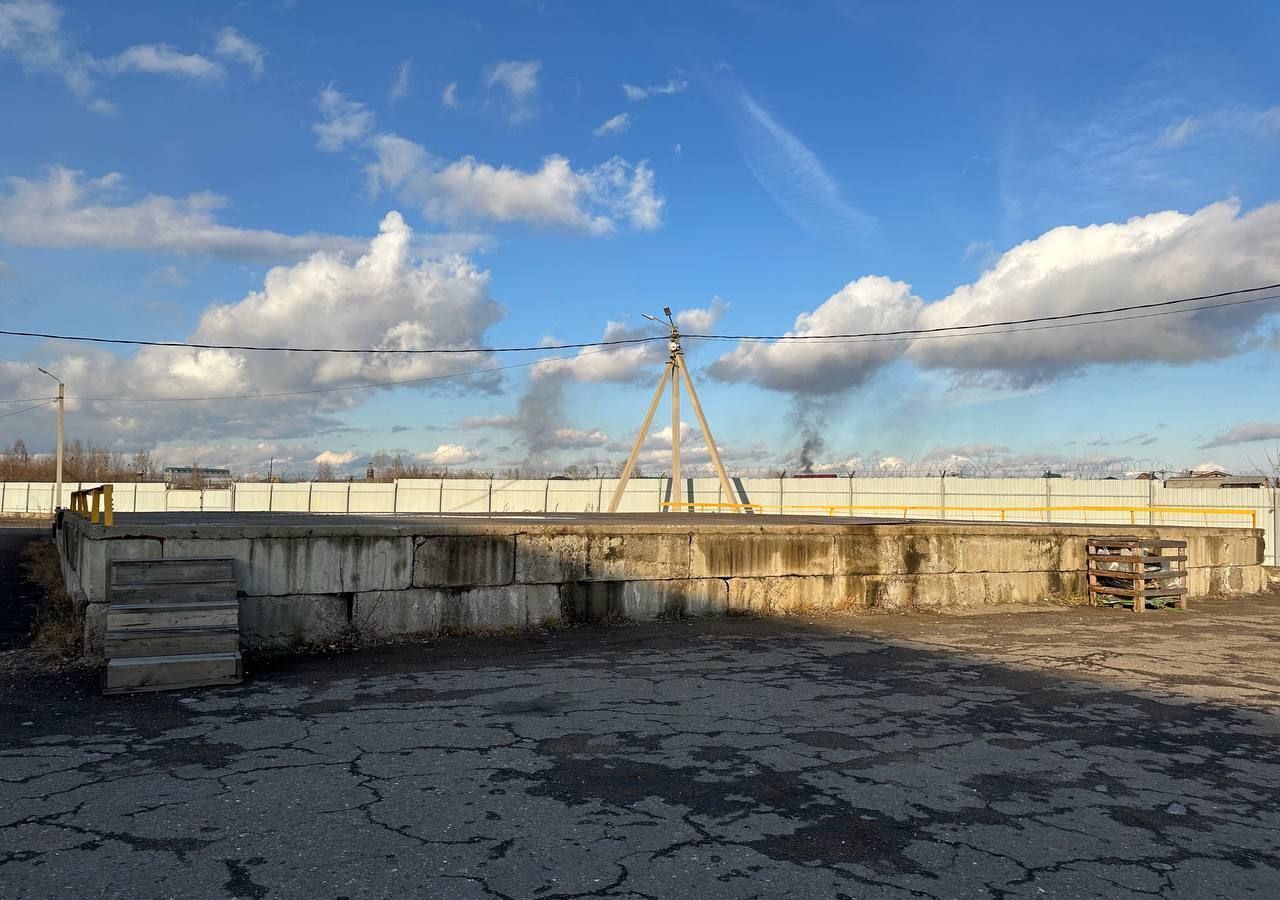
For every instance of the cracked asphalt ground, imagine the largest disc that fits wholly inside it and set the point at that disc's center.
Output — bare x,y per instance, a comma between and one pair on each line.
1066,754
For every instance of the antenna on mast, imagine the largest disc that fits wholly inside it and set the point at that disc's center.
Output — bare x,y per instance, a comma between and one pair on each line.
675,371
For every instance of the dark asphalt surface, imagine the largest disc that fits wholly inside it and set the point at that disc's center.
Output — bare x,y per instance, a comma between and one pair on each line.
17,597
1064,754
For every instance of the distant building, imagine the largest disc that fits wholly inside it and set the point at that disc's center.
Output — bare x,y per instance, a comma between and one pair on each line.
1217,480
196,477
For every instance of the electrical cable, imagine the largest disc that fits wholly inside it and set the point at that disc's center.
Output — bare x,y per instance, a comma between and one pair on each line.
18,412
348,387
877,338
1039,323
864,340
909,332
642,340
422,351
28,399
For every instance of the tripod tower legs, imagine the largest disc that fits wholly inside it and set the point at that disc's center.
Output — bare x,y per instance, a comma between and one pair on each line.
677,479
625,476
677,372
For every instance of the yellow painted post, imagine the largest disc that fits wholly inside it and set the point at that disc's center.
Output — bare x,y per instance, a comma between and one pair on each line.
1132,520
108,517
1003,511
94,518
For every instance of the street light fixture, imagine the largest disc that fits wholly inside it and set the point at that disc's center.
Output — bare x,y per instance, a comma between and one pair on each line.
62,400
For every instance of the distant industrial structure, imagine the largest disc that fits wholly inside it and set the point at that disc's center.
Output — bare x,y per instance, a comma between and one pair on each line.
196,477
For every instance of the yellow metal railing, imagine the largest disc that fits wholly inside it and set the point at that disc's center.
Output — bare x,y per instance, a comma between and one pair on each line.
85,503
1003,511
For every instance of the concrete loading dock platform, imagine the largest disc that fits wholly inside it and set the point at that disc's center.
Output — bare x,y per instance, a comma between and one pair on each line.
306,577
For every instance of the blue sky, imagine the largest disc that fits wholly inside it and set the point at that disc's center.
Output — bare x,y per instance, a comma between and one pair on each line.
551,171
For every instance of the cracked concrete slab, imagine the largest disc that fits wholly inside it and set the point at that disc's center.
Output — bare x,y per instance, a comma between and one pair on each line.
1075,754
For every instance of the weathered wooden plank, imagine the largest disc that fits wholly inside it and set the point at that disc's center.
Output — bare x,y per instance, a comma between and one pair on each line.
146,571
1115,557
1150,593
1144,575
171,615
133,642
162,673
1136,542
173,592
1115,591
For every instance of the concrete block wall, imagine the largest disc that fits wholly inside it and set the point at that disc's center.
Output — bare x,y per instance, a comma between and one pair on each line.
303,583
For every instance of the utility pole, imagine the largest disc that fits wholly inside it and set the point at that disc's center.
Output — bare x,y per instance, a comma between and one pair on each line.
677,371
62,402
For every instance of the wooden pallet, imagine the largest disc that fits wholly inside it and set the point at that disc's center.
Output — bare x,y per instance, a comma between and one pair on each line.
1137,572
172,623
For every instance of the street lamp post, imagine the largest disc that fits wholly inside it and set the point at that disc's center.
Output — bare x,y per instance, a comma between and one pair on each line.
62,400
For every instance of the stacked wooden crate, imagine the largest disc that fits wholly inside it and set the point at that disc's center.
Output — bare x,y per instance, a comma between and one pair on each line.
1137,572
172,623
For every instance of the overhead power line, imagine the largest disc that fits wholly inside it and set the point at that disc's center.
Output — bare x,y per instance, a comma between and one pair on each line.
18,412
522,365
420,351
345,387
907,332
916,332
878,338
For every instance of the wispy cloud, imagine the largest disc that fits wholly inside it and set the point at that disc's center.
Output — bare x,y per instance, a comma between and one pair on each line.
236,47
615,125
400,87
161,59
1244,434
31,32
1177,134
635,93
513,85
449,96
1164,140
344,121
793,175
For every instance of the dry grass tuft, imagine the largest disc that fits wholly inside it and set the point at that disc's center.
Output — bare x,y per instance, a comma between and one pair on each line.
58,626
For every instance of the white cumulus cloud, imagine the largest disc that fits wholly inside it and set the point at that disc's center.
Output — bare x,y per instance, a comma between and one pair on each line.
449,455
631,363
384,299
1161,256
593,200
1069,269
333,458
872,303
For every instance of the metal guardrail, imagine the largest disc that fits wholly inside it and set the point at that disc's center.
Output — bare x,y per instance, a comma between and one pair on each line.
85,503
1004,511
